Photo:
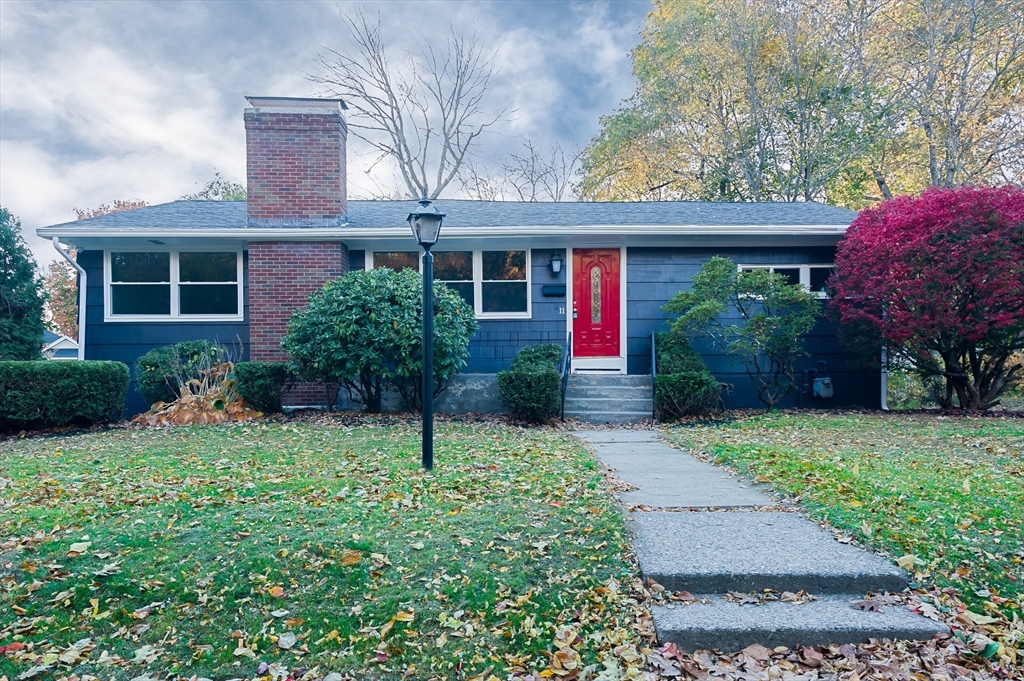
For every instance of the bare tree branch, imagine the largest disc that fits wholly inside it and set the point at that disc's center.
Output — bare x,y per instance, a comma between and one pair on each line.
427,113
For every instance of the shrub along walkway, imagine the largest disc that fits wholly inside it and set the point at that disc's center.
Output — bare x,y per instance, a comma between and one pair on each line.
738,569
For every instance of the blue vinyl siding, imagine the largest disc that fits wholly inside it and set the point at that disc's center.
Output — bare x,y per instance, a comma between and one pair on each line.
498,340
654,275
127,341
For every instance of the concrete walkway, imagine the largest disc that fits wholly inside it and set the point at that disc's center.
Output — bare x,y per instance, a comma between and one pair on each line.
711,533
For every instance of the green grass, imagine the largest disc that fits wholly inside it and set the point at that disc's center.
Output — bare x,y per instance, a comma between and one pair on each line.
949,491
384,571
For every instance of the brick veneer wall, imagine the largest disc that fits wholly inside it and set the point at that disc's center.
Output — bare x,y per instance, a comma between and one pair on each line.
282,274
295,164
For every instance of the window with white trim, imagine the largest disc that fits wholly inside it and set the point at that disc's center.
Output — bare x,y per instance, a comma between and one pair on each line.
495,283
811,277
160,285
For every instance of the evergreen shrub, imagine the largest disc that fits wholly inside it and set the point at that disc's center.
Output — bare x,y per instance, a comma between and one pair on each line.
263,384
532,389
683,385
42,394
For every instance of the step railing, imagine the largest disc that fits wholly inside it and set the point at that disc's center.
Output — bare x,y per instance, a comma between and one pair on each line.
566,362
654,375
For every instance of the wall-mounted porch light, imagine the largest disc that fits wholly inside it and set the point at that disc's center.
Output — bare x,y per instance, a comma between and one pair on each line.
556,262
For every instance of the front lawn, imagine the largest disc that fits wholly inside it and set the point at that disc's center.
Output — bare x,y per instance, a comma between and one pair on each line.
944,496
218,551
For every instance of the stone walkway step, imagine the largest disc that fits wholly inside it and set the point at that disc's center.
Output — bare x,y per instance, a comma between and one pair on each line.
701,548
729,626
705,552
667,477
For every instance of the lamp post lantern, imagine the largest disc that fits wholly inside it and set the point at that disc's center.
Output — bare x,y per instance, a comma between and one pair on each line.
426,226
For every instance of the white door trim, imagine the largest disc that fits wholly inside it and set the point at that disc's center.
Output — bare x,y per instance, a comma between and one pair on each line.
598,365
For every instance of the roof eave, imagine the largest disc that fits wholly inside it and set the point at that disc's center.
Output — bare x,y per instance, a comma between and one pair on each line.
313,234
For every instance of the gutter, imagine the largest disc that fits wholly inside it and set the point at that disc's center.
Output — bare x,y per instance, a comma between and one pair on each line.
82,288
341,233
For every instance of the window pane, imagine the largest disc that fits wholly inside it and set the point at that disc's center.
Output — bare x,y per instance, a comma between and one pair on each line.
792,274
595,295
140,267
463,288
140,299
503,296
207,266
453,266
397,261
208,299
504,265
819,275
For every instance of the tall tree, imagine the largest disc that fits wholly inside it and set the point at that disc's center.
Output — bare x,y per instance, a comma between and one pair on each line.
21,295
531,174
940,278
426,113
218,189
61,285
847,101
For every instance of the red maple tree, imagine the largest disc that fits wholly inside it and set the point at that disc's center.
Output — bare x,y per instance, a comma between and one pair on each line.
940,279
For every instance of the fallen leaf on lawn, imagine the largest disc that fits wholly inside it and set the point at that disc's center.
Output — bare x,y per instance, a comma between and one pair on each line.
350,557
979,619
418,546
146,654
867,606
408,616
286,641
906,562
279,613
276,591
108,569
78,548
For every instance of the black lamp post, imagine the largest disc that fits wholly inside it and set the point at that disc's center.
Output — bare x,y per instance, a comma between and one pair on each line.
426,226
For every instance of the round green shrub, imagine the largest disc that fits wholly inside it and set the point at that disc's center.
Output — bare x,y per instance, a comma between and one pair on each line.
155,370
263,384
685,394
532,395
363,331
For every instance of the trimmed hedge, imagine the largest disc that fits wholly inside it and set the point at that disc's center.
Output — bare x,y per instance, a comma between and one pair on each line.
683,385
42,394
532,389
534,357
531,395
263,384
686,393
154,371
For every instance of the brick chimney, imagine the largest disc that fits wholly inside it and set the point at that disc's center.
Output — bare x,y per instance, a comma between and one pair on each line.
296,179
295,152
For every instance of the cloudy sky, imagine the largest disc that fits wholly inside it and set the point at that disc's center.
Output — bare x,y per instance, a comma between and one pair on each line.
143,100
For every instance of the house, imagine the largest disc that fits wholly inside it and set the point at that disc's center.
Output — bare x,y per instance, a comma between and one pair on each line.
534,272
59,347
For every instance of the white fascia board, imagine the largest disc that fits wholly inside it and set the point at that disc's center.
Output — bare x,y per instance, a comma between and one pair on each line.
341,233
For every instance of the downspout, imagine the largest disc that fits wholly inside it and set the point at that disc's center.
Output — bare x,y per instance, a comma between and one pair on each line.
82,281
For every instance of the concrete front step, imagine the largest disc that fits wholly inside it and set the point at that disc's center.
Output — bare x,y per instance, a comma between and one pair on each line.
623,391
718,552
603,404
610,417
610,380
729,626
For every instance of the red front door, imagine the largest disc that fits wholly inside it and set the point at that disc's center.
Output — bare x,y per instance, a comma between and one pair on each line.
595,308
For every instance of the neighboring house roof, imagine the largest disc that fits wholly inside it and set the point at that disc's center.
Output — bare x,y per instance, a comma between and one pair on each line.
367,218
57,346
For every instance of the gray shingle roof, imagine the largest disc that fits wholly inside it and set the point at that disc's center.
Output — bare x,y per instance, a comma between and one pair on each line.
461,213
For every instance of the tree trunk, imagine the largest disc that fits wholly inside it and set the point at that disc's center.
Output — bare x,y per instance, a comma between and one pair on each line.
883,186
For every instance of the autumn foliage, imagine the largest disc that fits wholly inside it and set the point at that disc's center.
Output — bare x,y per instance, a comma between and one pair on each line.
940,278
